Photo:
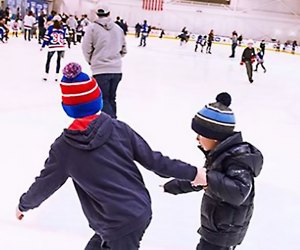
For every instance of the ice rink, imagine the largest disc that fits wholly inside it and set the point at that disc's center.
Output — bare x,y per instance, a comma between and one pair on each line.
163,87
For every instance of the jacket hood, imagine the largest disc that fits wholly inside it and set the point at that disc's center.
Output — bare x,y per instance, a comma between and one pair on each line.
97,133
105,22
241,152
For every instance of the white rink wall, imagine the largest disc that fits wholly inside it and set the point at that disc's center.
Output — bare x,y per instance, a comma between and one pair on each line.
258,19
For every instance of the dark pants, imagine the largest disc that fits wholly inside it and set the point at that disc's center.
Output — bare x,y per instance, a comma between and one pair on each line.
108,84
262,65
208,48
249,69
143,40
27,34
204,245
49,56
73,36
127,242
233,47
42,32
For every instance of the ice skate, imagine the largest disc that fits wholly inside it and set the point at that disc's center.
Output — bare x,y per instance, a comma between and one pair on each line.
56,77
45,78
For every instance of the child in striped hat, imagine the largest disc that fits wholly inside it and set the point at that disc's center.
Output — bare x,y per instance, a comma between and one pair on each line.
231,164
98,153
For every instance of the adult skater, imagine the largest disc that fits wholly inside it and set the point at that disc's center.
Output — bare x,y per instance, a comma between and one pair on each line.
232,165
103,47
28,22
55,41
145,30
210,41
98,153
138,28
234,43
262,46
248,57
42,26
294,45
260,60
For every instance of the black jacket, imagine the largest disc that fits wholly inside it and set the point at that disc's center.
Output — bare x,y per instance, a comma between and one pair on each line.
227,203
248,54
101,162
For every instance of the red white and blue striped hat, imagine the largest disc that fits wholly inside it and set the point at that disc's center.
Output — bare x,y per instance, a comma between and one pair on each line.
216,120
81,95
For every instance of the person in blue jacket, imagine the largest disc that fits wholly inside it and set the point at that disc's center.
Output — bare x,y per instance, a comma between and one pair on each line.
99,153
145,30
232,165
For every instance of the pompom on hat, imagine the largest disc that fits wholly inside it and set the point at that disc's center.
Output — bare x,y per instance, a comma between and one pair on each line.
81,95
216,120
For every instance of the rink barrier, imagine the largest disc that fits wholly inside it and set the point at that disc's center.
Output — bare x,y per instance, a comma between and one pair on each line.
222,40
270,46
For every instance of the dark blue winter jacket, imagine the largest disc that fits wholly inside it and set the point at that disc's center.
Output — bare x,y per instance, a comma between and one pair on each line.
100,161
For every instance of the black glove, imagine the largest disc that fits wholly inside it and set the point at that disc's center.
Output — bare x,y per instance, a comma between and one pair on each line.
176,186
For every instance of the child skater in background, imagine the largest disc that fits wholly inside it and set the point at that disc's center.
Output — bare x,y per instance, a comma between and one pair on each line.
231,164
198,42
248,58
55,40
201,40
15,27
260,60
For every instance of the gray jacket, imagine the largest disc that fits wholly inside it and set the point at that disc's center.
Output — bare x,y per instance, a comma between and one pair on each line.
103,46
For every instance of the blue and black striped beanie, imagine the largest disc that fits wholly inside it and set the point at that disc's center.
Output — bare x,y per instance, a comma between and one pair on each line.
216,120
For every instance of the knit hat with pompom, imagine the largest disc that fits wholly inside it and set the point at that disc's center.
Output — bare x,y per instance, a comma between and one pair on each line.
216,120
81,95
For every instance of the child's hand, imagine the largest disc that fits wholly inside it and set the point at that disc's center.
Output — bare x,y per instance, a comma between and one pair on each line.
19,214
200,179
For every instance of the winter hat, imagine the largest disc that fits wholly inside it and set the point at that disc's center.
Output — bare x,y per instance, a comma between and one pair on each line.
250,41
216,120
81,95
56,18
103,11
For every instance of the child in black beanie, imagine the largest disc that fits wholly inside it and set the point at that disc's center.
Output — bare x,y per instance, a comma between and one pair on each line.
231,164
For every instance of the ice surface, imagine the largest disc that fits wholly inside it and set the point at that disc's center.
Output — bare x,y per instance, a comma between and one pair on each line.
163,86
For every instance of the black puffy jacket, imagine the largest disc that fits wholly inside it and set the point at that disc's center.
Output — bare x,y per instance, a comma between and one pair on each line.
227,204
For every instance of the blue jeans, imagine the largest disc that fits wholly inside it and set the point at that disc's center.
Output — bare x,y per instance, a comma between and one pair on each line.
108,84
128,242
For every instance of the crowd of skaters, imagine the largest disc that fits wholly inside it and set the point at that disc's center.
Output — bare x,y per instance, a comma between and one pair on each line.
34,26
